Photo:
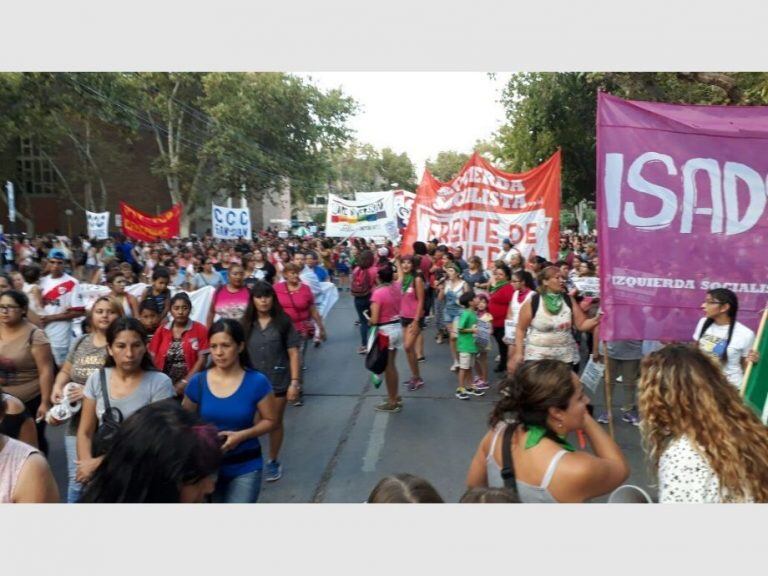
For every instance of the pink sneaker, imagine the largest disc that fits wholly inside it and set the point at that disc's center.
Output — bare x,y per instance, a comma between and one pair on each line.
480,384
415,384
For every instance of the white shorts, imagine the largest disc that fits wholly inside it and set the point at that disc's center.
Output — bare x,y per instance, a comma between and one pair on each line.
395,334
466,360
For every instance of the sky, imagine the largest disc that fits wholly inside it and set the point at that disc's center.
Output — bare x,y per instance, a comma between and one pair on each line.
421,113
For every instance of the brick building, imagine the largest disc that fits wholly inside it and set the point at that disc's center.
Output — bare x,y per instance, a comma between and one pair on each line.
42,197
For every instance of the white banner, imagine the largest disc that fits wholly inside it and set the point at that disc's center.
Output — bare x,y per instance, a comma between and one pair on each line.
403,203
374,216
230,223
201,299
98,224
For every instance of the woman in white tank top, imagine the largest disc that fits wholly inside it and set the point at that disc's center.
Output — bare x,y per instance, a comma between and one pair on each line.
545,404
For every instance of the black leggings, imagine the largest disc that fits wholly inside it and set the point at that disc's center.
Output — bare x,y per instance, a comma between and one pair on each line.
32,407
498,335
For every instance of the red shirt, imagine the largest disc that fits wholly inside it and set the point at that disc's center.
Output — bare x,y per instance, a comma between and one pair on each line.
498,303
295,304
194,341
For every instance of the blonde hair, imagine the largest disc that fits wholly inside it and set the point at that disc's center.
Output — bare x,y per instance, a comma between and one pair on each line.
113,303
684,393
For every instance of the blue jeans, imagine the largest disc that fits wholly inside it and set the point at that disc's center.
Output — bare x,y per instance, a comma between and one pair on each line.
362,303
243,489
74,488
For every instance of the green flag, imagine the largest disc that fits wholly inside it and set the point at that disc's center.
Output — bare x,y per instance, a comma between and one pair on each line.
756,379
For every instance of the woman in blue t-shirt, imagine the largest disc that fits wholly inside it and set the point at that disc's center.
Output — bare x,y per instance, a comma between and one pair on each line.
239,402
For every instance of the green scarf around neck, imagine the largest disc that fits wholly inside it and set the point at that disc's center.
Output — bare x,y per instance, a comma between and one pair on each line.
407,281
536,433
553,302
498,285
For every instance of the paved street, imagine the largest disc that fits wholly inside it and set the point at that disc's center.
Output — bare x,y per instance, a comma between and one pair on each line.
337,447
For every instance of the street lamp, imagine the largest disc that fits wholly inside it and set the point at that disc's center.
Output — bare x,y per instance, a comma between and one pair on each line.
69,213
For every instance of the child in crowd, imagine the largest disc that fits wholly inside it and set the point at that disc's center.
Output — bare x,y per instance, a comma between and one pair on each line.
149,317
159,291
489,496
404,489
466,346
483,341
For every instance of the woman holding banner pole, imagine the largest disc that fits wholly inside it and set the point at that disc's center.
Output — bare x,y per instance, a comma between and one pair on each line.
721,337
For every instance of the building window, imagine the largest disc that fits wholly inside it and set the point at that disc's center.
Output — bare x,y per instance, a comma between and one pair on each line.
33,170
320,201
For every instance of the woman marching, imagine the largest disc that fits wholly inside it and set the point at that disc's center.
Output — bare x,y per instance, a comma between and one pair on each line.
450,292
385,315
87,355
179,346
26,362
131,382
239,402
273,347
544,325
501,292
721,337
707,445
299,304
116,281
230,300
524,289
540,406
411,315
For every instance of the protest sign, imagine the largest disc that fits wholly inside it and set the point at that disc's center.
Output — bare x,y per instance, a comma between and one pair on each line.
230,223
98,224
483,205
681,203
588,286
403,204
374,216
141,226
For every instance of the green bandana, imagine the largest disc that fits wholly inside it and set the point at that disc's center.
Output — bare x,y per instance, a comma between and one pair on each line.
536,433
498,285
553,302
407,281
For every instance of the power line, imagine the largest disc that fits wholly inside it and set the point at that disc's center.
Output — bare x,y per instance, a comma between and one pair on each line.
151,124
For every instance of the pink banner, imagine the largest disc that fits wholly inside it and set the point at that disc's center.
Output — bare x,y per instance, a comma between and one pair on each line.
682,209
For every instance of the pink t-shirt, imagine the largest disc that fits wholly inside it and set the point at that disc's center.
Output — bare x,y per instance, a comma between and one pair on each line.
388,298
295,304
231,304
409,305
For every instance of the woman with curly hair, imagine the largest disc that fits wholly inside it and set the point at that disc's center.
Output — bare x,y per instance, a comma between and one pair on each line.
707,444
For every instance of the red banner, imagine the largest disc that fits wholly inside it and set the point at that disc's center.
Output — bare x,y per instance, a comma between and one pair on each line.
483,205
141,226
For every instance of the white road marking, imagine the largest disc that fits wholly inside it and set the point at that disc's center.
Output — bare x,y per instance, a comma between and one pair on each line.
375,441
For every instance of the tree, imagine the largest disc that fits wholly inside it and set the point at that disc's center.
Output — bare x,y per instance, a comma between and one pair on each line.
233,131
550,110
447,164
396,170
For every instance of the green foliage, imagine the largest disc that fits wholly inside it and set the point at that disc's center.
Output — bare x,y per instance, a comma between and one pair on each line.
361,168
447,164
550,110
397,170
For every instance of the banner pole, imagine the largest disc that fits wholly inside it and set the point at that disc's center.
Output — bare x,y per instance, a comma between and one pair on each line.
755,346
608,394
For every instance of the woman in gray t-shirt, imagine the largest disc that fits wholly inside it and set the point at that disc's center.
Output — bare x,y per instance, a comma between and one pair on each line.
132,382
